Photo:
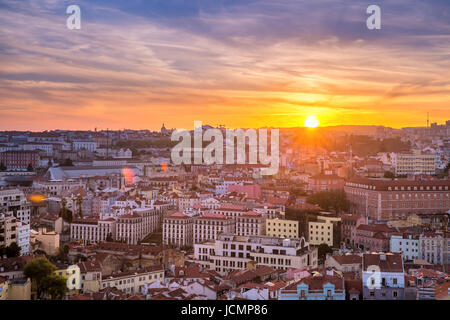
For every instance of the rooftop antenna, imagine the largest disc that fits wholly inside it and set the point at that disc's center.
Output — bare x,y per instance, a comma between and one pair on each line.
107,143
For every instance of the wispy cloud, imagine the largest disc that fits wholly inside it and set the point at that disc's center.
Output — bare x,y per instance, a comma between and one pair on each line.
242,63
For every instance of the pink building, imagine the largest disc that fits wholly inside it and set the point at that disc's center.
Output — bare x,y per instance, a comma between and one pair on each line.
373,237
349,223
252,190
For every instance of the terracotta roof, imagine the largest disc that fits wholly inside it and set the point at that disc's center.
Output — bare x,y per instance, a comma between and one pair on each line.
391,263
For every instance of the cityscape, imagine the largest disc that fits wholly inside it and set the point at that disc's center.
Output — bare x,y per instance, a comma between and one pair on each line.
254,150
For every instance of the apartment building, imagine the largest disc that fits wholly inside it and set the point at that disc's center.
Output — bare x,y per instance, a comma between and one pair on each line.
8,225
19,159
129,228
178,230
231,252
130,282
382,200
232,211
414,162
325,230
328,286
383,276
90,230
210,225
282,228
407,245
23,237
349,223
250,223
434,247
15,202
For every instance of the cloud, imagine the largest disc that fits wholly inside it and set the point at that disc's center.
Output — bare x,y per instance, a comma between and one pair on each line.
137,64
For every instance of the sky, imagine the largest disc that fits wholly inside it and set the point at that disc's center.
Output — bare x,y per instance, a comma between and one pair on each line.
240,63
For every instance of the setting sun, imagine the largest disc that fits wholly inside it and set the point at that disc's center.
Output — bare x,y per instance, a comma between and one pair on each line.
311,122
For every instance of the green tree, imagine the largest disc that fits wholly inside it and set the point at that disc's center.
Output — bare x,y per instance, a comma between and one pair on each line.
65,213
63,252
333,200
322,251
79,206
13,250
55,286
38,270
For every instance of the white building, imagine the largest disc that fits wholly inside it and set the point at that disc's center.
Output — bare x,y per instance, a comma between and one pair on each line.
23,238
231,252
250,223
434,247
46,147
210,225
407,245
84,145
178,230
15,202
92,230
414,163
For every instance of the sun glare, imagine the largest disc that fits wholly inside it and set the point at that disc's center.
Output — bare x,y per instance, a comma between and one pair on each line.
311,122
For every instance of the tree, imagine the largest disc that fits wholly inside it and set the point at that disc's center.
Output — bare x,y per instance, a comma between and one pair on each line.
63,252
109,237
333,200
65,213
54,286
2,167
38,270
389,174
79,206
13,250
322,251
30,167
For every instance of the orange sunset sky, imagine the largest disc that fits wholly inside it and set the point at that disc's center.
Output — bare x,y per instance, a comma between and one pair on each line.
136,64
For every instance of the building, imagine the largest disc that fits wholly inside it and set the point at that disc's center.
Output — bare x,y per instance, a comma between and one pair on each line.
325,229
19,159
373,237
89,230
407,245
382,200
14,201
178,230
435,247
8,225
210,225
231,252
282,228
383,276
328,286
73,278
414,162
23,237
48,241
349,223
84,145
345,263
19,289
131,282
250,223
4,284
325,182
